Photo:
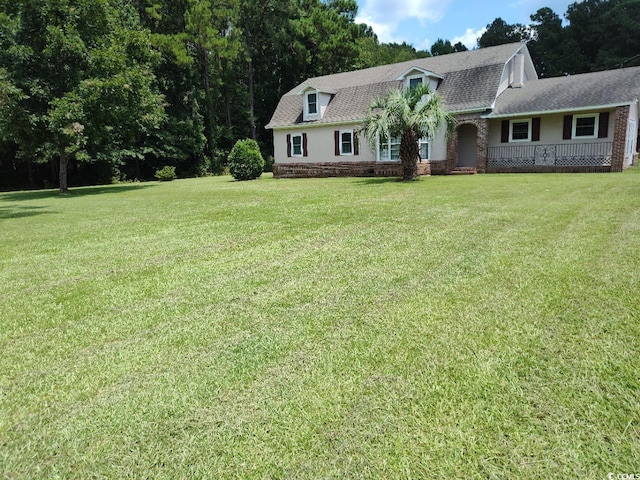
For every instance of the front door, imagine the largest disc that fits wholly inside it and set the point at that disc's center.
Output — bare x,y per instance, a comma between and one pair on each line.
467,146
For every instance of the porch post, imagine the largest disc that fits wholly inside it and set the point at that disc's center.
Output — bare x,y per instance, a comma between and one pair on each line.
619,138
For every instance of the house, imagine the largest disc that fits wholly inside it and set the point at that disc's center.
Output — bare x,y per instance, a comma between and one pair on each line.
507,119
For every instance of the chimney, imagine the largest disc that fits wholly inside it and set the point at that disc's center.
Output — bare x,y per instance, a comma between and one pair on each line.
517,71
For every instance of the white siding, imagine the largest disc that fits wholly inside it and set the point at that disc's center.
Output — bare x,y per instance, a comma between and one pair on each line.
321,146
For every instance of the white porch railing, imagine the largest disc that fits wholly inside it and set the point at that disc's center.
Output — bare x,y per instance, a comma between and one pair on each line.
558,155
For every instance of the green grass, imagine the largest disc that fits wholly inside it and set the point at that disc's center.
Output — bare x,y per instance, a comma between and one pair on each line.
484,326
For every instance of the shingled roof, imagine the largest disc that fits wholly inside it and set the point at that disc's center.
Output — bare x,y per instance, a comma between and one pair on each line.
471,82
571,93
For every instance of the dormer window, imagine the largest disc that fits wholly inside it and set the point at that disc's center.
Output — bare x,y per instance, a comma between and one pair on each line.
312,103
416,76
415,82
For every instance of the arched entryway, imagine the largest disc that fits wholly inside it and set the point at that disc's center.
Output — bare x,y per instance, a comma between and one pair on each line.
467,146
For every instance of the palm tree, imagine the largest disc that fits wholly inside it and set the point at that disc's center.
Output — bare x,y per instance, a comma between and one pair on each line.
410,114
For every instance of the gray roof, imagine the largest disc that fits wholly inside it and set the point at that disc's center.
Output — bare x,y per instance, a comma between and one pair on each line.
471,81
574,92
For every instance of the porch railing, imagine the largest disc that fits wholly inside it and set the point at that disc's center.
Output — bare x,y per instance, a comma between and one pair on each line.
559,155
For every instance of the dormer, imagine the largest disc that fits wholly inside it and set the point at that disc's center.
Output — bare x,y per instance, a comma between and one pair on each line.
418,76
314,102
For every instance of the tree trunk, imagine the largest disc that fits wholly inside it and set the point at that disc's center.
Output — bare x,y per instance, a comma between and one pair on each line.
208,107
227,93
252,100
62,174
409,153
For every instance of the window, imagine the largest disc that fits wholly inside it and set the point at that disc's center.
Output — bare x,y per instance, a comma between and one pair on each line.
296,145
389,150
520,130
424,149
414,82
346,142
585,126
312,103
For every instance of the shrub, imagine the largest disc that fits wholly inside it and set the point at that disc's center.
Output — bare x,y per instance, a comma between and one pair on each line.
245,160
268,163
166,174
219,161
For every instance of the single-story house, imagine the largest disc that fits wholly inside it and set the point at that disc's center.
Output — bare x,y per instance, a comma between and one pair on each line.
507,119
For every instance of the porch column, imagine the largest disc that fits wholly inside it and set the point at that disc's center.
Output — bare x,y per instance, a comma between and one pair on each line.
619,138
452,150
483,144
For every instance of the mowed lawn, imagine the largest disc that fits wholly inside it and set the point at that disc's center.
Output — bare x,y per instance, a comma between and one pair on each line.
481,326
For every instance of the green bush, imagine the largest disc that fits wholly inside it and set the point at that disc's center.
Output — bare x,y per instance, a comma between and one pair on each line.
268,163
245,160
166,174
219,161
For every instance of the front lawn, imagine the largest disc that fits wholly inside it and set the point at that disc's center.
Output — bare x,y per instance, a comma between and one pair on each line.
481,326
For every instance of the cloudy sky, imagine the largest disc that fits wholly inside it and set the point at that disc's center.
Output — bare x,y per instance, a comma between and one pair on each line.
422,22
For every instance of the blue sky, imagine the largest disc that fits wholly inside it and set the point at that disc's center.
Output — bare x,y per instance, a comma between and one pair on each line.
422,22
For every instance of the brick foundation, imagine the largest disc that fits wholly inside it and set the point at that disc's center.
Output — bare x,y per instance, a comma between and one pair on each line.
344,169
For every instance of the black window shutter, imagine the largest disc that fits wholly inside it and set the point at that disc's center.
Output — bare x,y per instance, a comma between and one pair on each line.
603,125
356,146
535,129
288,145
567,127
336,138
305,152
505,131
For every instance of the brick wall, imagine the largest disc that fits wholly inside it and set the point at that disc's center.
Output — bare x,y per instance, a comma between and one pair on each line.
482,124
344,169
619,139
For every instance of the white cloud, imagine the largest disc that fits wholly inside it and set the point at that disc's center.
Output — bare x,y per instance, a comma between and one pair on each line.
469,38
384,16
383,31
398,10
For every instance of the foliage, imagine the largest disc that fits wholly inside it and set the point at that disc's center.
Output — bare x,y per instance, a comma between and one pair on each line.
547,47
268,163
95,89
441,47
410,114
599,35
83,70
605,32
499,32
322,328
166,173
245,160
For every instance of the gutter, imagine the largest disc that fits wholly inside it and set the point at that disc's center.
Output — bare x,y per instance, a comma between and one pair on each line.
561,110
300,126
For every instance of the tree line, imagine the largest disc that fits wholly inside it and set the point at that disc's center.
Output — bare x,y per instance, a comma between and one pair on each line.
97,91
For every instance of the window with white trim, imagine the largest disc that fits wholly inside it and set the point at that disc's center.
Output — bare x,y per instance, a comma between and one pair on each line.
296,145
585,126
312,103
520,130
389,149
346,142
424,148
